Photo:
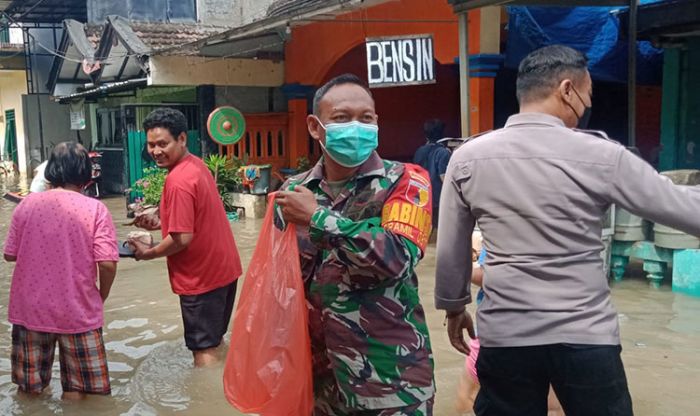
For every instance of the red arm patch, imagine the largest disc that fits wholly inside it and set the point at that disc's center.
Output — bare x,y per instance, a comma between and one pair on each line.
409,210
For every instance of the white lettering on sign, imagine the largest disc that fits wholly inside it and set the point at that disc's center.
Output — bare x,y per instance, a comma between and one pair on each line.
375,68
400,61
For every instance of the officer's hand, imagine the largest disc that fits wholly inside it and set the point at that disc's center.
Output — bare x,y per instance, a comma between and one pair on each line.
298,205
456,324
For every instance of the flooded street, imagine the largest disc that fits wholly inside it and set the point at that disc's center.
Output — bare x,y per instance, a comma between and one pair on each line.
152,373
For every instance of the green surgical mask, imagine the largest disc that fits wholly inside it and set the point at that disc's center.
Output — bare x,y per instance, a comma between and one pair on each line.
350,144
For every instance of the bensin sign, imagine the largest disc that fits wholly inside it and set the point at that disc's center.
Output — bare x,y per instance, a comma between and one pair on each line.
401,60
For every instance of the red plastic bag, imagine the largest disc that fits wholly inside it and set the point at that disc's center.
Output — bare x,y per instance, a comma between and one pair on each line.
268,367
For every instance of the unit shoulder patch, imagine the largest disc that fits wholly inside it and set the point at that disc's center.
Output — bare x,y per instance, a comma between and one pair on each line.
408,210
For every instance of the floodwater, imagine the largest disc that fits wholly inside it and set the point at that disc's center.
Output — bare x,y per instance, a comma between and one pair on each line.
152,374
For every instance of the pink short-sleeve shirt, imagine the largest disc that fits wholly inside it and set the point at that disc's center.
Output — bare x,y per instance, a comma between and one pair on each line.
57,237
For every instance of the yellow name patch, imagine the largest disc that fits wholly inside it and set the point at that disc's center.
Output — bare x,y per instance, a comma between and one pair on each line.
409,220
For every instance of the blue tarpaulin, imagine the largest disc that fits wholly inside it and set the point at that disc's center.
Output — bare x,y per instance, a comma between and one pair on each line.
592,30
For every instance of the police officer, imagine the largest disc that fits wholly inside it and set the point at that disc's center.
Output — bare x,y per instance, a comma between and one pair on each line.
539,189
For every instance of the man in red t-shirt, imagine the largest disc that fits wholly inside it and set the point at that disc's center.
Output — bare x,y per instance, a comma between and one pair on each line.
203,262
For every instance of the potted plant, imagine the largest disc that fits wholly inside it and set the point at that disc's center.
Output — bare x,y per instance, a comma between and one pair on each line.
225,172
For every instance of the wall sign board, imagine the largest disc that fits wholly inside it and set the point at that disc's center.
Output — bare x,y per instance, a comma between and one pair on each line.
400,60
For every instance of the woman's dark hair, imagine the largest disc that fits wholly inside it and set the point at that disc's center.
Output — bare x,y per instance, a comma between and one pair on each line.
167,118
69,164
434,130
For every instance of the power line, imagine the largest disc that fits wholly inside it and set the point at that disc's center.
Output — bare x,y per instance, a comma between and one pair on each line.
239,53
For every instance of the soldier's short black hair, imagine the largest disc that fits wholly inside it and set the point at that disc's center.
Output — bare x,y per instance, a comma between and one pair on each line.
167,118
69,164
544,69
339,80
434,130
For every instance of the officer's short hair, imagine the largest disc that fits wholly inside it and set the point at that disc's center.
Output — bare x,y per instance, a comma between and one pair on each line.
339,80
544,69
434,130
167,118
69,164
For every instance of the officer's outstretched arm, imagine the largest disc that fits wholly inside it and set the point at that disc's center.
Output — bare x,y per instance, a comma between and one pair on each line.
638,188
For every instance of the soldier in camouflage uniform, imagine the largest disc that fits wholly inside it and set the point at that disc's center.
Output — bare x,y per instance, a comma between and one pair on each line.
363,224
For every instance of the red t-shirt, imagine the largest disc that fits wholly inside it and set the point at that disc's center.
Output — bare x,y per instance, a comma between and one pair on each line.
191,204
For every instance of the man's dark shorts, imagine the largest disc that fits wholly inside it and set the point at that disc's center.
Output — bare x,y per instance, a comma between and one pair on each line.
206,316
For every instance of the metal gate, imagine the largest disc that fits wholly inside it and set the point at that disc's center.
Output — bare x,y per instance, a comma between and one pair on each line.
10,150
265,141
122,168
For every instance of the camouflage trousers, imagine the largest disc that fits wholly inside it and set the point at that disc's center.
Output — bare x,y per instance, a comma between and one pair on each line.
323,407
328,400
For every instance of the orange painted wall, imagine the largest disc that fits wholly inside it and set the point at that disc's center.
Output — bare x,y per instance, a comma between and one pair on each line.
403,110
315,47
319,51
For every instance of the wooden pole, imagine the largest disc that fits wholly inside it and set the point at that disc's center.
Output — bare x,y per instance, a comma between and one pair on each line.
632,77
464,94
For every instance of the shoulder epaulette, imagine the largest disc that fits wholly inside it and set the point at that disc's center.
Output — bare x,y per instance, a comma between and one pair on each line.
470,138
598,133
478,135
394,170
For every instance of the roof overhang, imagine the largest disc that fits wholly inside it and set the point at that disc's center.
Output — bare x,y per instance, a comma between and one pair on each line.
265,38
198,70
668,22
466,5
103,90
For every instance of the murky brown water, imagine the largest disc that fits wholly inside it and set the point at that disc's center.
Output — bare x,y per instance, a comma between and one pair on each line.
152,374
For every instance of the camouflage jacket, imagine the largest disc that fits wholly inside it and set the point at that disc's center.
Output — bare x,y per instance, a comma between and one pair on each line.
369,337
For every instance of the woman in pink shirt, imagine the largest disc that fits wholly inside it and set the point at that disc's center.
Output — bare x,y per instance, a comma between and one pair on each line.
61,240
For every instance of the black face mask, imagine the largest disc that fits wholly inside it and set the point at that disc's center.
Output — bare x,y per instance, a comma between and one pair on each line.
584,118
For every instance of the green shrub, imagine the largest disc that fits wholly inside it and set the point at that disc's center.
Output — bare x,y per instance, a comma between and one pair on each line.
150,186
226,175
